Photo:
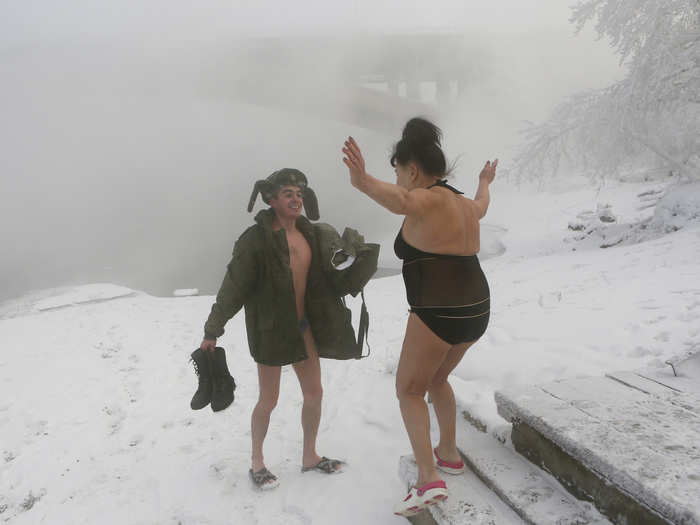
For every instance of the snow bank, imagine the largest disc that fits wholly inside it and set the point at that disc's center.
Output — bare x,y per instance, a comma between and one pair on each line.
62,297
678,208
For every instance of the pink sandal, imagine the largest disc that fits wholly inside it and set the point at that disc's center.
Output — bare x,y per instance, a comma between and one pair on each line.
419,498
447,466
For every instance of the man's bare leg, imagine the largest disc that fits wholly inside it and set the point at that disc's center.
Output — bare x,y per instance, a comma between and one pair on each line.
269,386
309,375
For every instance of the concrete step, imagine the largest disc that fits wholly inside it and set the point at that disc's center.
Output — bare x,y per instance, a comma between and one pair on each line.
627,443
686,372
533,494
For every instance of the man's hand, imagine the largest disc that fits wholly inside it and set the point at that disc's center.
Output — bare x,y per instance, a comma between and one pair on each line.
489,172
208,345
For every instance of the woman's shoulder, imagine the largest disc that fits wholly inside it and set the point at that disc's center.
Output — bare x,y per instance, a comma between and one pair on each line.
451,208
446,198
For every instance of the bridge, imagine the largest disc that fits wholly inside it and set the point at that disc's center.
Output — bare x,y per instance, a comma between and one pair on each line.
373,81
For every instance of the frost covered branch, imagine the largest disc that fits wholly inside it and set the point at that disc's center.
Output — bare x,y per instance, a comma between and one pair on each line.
649,119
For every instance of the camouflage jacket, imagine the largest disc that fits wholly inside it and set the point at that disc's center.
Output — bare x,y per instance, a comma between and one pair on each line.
259,278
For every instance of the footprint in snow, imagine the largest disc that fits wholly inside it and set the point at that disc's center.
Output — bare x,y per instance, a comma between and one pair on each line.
297,512
186,449
498,336
39,428
221,468
116,417
640,351
664,337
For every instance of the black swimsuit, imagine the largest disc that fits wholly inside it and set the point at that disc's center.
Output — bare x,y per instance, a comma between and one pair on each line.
449,293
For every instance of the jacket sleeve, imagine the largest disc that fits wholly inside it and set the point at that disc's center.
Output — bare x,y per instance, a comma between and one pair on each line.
239,282
364,266
348,261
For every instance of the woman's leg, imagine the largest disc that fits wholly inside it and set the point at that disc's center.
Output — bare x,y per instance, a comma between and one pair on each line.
443,399
422,355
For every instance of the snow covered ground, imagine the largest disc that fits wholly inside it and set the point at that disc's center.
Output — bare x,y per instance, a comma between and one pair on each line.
95,384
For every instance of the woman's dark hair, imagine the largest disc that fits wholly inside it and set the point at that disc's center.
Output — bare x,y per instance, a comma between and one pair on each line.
420,143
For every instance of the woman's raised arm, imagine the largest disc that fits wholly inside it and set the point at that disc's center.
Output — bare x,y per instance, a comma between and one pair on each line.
482,197
393,197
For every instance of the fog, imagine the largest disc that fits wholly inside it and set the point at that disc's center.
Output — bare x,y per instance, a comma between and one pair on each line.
131,134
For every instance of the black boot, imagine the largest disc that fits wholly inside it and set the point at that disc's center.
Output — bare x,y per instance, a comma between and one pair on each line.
224,385
202,367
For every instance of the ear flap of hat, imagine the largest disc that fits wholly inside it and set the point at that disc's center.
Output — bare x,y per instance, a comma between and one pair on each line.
258,188
311,204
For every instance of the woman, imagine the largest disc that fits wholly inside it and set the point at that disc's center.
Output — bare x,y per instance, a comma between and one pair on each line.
445,287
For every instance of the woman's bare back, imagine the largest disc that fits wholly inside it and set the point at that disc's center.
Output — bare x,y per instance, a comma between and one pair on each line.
450,227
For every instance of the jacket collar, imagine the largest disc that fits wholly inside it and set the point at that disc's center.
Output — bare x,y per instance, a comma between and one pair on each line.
265,217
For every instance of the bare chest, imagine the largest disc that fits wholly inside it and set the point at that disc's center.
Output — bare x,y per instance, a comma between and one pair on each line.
299,252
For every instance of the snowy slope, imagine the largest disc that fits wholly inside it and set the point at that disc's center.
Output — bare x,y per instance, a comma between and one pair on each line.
95,384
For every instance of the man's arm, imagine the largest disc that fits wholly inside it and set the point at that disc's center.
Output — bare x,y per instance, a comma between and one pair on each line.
238,283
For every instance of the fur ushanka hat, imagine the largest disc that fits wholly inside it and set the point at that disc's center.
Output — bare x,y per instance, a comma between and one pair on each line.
286,176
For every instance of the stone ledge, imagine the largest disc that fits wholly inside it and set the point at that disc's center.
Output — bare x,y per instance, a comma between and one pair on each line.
640,451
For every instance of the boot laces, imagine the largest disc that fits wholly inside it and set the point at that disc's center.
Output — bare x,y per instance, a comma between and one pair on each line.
194,364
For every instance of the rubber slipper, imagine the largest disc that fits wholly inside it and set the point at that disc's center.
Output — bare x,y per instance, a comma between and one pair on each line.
263,479
326,465
420,498
448,466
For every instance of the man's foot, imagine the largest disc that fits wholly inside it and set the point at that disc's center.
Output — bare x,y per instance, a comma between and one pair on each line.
451,467
263,479
420,498
326,465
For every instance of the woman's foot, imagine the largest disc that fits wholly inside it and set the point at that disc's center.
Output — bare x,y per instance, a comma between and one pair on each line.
421,497
449,465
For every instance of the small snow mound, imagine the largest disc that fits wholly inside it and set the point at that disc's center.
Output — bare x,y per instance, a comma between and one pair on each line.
52,298
186,292
605,214
89,293
680,206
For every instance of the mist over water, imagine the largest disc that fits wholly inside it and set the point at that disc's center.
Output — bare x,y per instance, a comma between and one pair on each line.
130,160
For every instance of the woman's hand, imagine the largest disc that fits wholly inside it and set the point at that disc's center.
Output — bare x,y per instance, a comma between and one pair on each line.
489,172
355,162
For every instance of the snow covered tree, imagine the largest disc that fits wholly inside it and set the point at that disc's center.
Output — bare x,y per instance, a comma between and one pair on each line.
649,119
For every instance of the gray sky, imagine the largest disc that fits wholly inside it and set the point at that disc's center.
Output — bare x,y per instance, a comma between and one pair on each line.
185,21
125,156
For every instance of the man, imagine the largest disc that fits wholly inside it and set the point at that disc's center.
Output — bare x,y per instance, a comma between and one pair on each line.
293,312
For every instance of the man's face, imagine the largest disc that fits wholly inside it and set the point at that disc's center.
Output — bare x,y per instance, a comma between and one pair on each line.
288,203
